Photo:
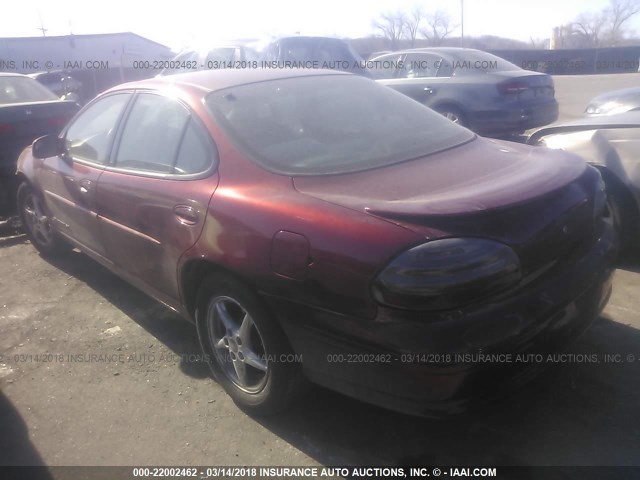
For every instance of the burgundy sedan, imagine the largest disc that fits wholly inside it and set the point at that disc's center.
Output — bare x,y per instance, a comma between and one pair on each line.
317,226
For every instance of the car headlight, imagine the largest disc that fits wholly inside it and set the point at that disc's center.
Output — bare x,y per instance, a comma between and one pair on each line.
447,273
593,110
608,108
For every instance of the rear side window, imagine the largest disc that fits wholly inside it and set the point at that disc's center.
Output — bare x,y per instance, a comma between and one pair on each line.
194,155
160,136
89,136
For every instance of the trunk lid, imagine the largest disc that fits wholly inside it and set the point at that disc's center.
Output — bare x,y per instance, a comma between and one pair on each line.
538,201
478,176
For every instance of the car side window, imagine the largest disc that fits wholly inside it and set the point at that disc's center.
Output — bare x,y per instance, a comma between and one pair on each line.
445,69
419,66
385,67
90,134
161,137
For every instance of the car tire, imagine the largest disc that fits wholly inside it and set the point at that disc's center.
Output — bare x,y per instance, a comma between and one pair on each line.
452,113
36,222
246,349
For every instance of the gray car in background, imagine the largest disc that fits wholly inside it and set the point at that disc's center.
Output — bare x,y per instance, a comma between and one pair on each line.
617,101
473,88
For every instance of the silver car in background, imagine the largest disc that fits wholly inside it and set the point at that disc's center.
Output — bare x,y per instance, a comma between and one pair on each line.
617,101
213,58
611,144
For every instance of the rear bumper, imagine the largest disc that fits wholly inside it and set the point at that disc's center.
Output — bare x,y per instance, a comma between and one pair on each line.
514,118
409,363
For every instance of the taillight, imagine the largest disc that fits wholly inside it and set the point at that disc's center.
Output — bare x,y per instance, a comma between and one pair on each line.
6,128
512,87
447,273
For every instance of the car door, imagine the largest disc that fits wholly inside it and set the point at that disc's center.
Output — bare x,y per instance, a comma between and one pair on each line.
69,180
418,78
153,197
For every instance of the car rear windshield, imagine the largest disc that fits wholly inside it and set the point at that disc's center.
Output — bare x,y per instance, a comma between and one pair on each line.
23,89
473,61
328,124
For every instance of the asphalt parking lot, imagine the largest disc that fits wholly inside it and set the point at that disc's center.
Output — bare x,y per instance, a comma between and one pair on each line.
93,372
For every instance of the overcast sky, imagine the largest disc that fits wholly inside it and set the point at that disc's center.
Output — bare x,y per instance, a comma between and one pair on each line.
189,22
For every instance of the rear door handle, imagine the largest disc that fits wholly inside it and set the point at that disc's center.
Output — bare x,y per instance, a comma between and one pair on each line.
186,214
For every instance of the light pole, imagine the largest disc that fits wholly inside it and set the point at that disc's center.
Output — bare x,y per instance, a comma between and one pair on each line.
462,22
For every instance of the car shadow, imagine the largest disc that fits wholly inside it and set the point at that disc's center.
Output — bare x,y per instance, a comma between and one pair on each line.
579,412
158,320
16,450
576,413
630,262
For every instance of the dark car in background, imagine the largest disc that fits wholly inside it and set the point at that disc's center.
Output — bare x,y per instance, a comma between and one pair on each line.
64,84
28,110
611,143
317,225
472,88
612,103
331,53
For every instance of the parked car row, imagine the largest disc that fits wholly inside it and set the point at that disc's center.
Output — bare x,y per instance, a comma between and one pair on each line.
473,88
320,227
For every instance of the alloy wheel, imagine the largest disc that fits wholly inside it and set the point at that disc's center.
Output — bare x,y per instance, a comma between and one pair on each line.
37,221
237,344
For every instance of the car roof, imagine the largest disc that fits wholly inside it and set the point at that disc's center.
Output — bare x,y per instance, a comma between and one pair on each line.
212,80
306,38
11,74
449,50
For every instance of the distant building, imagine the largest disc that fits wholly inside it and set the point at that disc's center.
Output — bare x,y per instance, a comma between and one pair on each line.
100,61
69,52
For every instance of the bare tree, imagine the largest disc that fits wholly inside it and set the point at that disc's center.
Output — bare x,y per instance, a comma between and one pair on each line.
392,25
588,27
618,13
602,29
537,43
438,27
413,22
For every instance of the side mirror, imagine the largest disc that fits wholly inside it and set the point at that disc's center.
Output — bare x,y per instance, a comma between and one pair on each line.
47,146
